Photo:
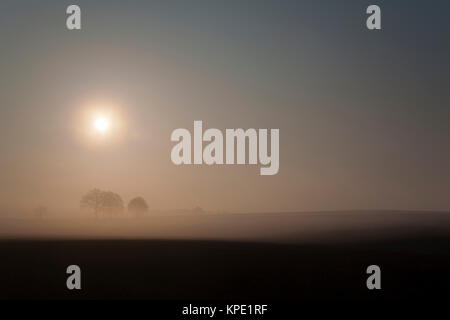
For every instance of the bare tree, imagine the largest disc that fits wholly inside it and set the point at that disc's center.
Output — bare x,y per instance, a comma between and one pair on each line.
105,202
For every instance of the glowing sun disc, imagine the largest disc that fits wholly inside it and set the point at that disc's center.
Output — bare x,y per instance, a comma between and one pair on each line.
101,124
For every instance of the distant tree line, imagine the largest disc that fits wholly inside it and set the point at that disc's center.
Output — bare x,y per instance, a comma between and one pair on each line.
108,203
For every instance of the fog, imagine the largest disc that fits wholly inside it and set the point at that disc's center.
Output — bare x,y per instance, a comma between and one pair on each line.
351,136
304,227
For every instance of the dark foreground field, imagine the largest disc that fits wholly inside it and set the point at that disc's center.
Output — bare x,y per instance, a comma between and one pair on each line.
231,257
413,267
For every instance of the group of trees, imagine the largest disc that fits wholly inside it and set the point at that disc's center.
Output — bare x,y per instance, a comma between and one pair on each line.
109,203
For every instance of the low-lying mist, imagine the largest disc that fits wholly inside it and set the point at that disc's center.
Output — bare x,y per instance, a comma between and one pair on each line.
266,227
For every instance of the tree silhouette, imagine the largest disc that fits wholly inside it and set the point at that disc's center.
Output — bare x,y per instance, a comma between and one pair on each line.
105,202
112,203
138,206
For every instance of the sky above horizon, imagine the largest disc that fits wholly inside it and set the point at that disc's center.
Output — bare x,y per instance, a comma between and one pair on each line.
363,115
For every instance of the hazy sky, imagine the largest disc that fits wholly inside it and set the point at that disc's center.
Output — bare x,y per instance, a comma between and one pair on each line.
363,115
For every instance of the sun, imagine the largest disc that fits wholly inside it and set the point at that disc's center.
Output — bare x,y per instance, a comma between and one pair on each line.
101,124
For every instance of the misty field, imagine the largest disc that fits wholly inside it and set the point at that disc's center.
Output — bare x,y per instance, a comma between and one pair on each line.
229,256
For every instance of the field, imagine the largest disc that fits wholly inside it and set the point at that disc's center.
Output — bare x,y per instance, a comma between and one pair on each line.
246,256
